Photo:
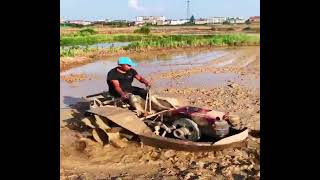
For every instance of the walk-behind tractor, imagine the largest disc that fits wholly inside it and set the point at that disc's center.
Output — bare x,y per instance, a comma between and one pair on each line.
163,122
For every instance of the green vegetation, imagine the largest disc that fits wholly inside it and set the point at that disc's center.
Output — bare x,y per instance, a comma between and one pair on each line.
82,38
143,30
197,41
152,41
87,32
192,19
65,26
72,25
78,51
226,23
71,51
77,39
118,24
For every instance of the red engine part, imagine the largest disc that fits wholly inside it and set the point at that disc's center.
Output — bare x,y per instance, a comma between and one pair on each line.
199,114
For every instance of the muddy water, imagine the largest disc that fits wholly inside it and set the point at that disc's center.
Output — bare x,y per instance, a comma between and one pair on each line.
103,45
149,65
201,80
108,45
71,94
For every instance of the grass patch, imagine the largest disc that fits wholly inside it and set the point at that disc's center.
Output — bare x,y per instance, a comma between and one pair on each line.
76,39
143,30
139,42
196,41
77,51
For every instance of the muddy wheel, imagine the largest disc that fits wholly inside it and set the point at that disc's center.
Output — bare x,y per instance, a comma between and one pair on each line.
186,129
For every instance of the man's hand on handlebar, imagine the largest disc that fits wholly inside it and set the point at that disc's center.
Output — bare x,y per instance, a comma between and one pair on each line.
124,96
148,85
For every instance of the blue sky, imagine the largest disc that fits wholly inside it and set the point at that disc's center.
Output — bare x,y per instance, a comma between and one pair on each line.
171,9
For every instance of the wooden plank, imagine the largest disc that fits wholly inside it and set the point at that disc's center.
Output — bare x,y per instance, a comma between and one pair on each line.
123,117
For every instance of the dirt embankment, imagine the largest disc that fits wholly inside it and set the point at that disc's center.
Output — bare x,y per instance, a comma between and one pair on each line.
83,158
196,29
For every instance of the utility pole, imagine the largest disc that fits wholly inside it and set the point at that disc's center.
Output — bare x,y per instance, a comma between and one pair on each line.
188,9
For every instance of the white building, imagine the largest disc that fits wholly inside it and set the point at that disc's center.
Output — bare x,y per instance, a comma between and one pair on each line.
178,22
216,20
201,21
138,23
166,22
236,20
149,19
106,20
80,22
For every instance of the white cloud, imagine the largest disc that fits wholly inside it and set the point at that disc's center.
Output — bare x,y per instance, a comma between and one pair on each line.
134,4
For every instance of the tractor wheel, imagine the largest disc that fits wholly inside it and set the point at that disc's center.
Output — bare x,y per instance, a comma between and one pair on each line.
186,129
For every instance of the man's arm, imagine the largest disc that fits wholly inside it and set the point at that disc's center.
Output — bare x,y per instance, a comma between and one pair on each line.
117,87
142,80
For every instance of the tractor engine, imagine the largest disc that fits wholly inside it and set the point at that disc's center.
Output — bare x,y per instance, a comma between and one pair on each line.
192,123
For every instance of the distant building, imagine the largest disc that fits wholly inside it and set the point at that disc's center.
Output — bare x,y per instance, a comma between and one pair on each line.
137,23
149,19
201,21
178,22
216,20
79,22
100,22
61,21
254,19
119,21
235,20
105,21
166,22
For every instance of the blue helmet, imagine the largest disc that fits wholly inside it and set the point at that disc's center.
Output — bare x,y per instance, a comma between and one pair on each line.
126,60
